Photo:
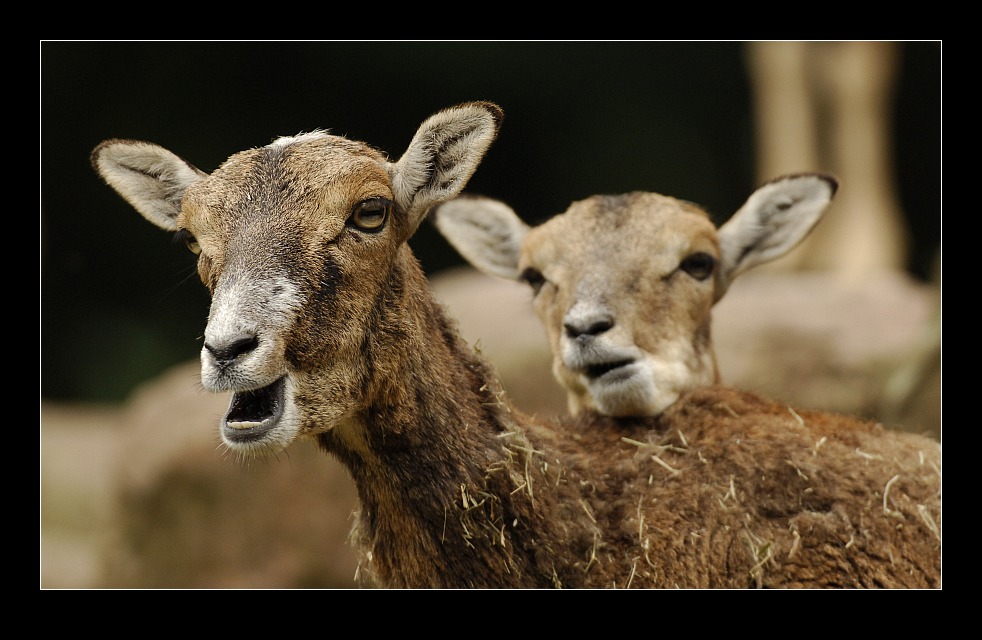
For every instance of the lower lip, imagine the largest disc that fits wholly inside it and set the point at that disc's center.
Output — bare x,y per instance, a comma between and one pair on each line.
617,375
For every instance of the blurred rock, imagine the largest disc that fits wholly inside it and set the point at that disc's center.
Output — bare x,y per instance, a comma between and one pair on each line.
175,511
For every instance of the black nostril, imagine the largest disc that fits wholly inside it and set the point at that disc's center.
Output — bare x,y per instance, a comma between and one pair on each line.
592,329
234,349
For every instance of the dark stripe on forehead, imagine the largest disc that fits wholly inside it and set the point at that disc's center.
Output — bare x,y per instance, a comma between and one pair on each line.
272,172
615,209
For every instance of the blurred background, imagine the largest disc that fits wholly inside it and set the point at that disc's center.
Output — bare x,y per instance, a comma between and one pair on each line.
135,491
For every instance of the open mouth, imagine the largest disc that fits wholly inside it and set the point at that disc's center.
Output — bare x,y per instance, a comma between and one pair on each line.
252,414
595,371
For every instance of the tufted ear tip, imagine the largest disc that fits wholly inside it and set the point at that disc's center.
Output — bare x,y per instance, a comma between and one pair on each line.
491,113
496,112
817,178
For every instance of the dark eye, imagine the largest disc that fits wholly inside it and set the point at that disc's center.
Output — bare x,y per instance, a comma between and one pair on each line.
370,215
534,278
699,265
184,236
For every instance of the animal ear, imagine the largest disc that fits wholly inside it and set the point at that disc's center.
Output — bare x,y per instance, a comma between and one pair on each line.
486,232
443,156
775,218
149,177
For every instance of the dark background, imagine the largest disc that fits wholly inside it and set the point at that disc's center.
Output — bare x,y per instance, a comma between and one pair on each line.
120,302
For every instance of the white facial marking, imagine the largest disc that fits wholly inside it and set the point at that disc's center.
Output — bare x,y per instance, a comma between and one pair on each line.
285,141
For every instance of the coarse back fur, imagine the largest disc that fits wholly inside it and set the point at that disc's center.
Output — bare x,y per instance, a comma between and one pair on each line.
728,489
322,326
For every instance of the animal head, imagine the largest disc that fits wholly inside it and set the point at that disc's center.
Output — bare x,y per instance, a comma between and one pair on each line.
624,284
302,244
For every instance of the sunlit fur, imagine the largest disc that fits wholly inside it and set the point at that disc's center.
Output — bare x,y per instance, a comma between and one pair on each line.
459,488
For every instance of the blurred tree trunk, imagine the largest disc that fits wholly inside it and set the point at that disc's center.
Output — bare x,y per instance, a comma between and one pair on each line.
828,106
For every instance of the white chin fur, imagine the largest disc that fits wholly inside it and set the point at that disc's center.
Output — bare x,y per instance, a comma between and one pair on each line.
644,388
268,438
634,396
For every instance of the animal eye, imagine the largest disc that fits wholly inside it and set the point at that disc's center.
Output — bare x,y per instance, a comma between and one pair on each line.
371,214
189,241
534,278
699,265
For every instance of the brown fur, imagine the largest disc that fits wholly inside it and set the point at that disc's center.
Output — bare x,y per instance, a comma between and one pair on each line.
760,495
457,487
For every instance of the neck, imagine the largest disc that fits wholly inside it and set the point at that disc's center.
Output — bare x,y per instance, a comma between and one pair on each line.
454,486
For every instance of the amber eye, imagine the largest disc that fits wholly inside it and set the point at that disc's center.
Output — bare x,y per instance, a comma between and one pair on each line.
189,241
534,278
370,215
699,265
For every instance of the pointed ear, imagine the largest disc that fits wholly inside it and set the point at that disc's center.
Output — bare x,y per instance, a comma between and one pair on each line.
149,177
772,222
486,232
443,156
